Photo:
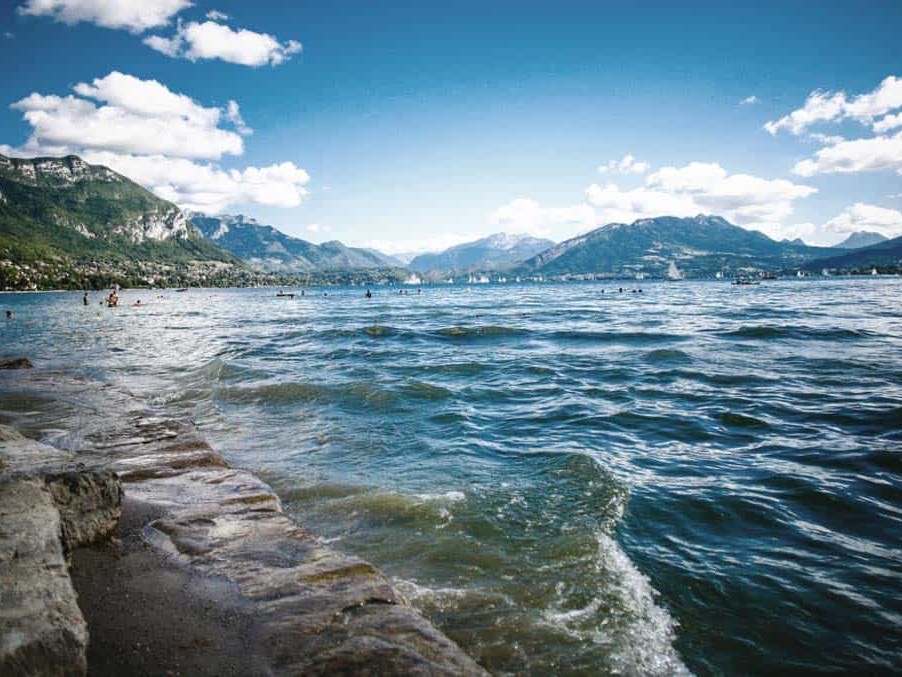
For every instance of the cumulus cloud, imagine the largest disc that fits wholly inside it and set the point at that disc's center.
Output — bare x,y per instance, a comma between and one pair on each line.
523,215
839,155
136,116
136,17
700,187
319,228
215,15
859,155
204,187
834,106
627,165
860,216
212,40
888,123
750,100
162,139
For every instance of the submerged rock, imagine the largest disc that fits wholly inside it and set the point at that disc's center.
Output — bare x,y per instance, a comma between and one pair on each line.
18,363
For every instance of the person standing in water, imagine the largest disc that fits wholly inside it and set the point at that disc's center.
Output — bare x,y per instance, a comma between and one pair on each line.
84,299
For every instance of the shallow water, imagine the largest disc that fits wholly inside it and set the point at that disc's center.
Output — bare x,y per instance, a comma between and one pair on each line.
700,477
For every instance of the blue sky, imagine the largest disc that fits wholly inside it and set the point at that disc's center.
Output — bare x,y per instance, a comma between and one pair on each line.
414,126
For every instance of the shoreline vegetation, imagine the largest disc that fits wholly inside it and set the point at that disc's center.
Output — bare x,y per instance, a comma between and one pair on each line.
179,562
219,279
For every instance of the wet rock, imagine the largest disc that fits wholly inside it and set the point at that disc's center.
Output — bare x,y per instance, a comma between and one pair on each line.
42,631
18,363
89,504
314,610
21,455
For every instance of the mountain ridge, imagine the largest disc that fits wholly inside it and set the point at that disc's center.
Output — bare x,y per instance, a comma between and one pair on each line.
267,248
701,246
84,224
494,252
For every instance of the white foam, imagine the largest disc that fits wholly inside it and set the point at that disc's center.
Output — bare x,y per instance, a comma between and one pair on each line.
452,496
637,632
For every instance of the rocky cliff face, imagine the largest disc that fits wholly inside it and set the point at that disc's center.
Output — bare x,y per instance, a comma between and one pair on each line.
93,201
86,225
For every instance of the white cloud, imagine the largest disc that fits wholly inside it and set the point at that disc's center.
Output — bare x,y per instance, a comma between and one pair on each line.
830,107
139,116
859,155
204,187
215,15
826,139
701,187
131,15
319,228
627,165
156,137
888,123
211,40
523,215
860,216
750,100
8,35
807,232
436,243
233,114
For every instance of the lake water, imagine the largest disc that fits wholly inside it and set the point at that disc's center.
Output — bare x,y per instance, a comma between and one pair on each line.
566,479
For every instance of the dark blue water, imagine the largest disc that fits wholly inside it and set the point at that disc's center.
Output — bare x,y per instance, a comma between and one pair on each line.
700,477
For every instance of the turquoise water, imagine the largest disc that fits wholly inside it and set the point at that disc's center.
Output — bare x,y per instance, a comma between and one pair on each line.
700,478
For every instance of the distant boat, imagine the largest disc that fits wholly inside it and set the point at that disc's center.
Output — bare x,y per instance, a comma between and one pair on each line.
482,279
745,283
413,279
825,272
718,275
674,273
768,276
282,294
873,271
799,273
182,289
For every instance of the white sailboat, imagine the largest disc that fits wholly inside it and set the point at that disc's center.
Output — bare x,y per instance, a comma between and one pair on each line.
674,273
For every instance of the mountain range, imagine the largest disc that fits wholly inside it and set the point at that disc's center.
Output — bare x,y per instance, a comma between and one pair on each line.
886,255
265,248
701,246
860,239
66,223
494,252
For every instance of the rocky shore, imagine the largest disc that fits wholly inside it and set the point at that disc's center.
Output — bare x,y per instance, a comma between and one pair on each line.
128,546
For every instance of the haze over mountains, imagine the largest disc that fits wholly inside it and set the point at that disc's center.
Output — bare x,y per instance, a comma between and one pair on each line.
860,240
64,222
494,252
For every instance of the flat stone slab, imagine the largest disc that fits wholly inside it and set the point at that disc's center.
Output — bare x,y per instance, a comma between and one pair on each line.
314,610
